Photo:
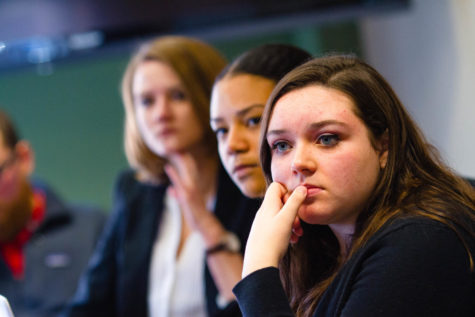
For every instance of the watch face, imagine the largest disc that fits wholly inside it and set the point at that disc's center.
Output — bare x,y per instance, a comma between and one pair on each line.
232,242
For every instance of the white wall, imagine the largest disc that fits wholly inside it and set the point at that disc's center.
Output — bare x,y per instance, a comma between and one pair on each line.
428,55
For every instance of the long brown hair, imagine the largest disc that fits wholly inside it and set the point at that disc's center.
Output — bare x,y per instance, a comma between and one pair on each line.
196,64
414,182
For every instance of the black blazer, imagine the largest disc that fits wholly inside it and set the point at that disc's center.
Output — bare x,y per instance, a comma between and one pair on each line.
116,281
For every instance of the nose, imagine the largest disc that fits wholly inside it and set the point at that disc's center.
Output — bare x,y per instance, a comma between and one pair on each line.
303,162
236,140
161,109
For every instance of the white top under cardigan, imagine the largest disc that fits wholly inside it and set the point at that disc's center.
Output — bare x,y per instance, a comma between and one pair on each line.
176,285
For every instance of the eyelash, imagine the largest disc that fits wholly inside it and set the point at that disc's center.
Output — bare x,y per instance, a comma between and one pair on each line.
254,121
275,146
220,131
251,123
174,95
177,95
334,139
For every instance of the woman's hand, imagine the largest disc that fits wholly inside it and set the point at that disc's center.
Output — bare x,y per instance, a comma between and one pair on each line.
184,177
273,227
191,189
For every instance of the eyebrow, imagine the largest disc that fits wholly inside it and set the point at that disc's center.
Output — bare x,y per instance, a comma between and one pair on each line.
240,113
166,89
312,126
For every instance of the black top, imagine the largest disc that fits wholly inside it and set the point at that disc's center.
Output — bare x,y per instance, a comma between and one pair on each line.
116,281
411,267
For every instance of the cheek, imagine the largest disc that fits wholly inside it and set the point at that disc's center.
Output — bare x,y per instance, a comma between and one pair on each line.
223,154
355,173
254,140
280,170
141,117
190,119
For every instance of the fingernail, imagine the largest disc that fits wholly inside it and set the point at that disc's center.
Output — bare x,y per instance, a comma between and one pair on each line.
302,190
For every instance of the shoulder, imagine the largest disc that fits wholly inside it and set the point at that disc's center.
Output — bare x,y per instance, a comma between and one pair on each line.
135,202
420,241
128,185
420,262
426,229
126,180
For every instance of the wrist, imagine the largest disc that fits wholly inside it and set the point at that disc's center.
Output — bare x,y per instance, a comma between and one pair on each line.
212,231
229,242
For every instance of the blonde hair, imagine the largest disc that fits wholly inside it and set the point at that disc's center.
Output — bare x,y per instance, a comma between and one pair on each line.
196,64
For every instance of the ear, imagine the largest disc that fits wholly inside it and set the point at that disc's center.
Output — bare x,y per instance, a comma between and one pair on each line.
25,157
383,149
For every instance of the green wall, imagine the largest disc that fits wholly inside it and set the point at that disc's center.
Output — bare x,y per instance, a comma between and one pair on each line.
73,116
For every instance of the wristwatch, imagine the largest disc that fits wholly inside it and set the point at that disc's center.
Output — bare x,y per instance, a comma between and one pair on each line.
230,242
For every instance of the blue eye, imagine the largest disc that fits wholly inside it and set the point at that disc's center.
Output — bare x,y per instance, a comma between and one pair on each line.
280,147
328,139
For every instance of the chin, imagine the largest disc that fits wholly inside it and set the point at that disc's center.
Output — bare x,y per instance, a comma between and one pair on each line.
310,215
252,189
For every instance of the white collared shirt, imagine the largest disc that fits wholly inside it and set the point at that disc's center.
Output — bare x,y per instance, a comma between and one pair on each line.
176,284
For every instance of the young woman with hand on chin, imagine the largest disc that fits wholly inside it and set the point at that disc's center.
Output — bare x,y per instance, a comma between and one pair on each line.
378,225
173,245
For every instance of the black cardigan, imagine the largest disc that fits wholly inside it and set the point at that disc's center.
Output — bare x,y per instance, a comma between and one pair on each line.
411,267
116,281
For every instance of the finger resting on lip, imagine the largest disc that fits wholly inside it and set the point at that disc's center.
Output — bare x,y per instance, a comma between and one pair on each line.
292,205
301,191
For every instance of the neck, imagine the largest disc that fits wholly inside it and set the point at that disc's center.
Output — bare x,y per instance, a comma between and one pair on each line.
206,165
344,234
208,172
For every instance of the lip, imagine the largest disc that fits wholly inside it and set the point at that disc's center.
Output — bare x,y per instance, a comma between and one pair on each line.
166,131
242,170
312,190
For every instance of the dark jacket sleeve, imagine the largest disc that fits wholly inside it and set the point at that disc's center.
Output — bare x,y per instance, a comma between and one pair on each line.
261,294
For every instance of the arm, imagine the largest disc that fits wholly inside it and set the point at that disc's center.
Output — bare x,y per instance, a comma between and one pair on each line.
225,267
260,293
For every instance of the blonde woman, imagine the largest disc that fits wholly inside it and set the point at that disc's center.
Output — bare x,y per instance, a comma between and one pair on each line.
173,246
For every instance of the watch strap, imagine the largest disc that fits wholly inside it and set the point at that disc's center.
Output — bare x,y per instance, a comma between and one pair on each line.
217,248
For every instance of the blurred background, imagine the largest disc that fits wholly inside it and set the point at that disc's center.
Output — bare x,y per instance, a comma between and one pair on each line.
61,64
